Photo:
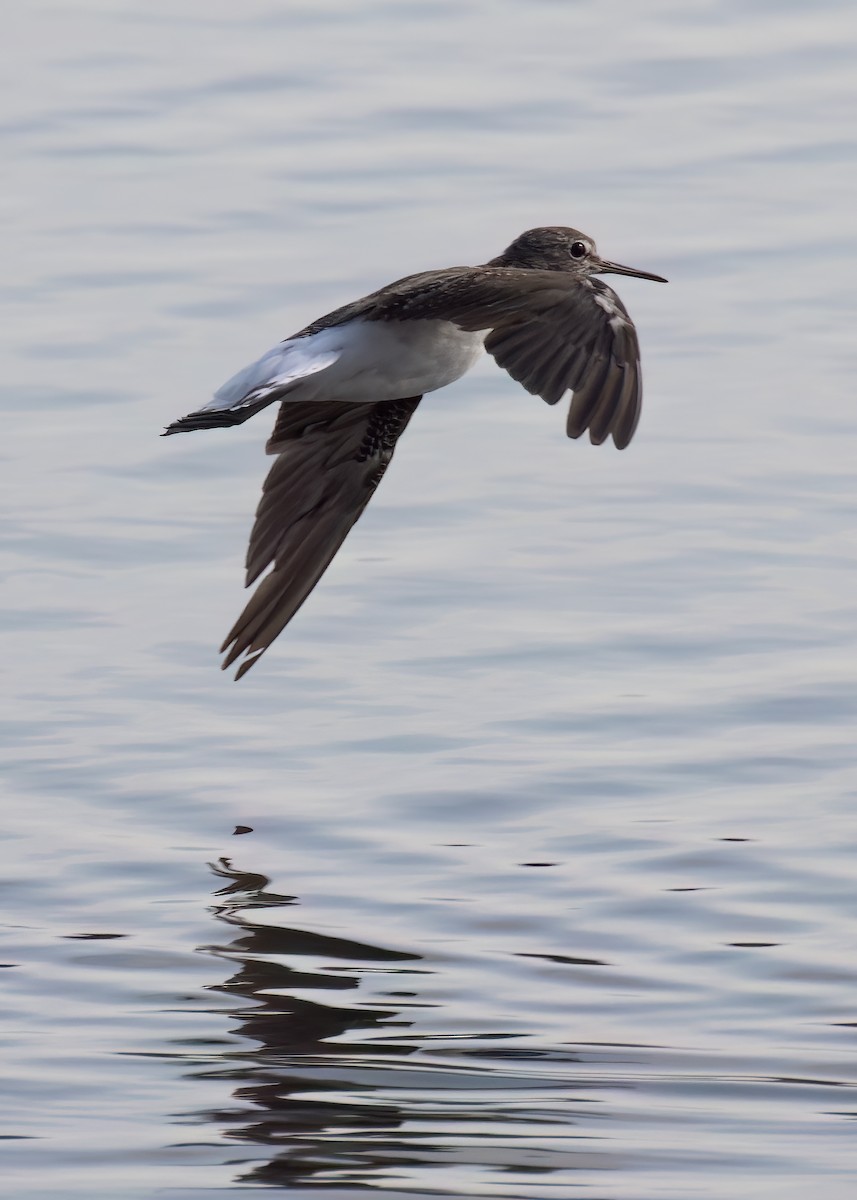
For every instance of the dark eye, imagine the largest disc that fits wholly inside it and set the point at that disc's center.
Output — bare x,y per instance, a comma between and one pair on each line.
578,250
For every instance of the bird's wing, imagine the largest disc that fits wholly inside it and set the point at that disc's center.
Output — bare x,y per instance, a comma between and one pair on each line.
586,344
553,332
330,459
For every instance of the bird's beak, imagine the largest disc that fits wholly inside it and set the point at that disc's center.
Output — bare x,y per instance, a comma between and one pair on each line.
607,268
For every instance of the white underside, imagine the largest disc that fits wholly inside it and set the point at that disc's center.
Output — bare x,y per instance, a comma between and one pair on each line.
361,362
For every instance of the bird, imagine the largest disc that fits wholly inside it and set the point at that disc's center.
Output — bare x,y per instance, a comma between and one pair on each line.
349,383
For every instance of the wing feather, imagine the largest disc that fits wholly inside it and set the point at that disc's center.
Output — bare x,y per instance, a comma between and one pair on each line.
552,332
330,458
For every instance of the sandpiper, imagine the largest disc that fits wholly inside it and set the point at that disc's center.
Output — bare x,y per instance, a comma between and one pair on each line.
350,382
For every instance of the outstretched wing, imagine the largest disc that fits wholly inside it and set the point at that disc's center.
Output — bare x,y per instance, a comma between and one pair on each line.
552,332
330,459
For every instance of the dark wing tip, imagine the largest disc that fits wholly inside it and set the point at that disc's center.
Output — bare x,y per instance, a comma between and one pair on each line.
625,426
245,666
608,404
233,648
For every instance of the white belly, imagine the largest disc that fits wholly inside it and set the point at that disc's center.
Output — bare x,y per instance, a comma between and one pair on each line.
387,360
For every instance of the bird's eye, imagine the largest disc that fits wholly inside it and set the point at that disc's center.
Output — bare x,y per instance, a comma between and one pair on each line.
578,250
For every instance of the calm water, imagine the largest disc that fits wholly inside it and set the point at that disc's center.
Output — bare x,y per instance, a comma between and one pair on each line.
551,889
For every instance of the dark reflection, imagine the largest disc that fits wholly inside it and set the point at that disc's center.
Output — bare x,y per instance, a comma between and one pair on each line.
315,1136
568,960
342,1092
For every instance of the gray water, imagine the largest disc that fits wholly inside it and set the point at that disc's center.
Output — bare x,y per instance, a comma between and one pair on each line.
551,886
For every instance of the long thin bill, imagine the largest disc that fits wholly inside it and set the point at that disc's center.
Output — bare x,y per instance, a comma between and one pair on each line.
608,268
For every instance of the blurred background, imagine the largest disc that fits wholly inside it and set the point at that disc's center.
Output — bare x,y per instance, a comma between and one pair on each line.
550,884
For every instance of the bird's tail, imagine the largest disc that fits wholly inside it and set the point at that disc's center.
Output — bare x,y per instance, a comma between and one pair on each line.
213,418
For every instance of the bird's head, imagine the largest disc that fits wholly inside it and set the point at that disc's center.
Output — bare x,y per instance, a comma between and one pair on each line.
558,248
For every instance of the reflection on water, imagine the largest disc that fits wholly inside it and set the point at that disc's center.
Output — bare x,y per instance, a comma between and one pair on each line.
340,1129
367,1110
353,1094
293,1037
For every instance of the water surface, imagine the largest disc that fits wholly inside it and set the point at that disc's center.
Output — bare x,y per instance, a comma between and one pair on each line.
550,884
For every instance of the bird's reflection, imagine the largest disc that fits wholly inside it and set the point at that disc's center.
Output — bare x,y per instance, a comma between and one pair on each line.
332,1087
300,1088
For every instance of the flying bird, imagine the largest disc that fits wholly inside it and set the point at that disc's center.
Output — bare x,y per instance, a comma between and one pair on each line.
349,383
